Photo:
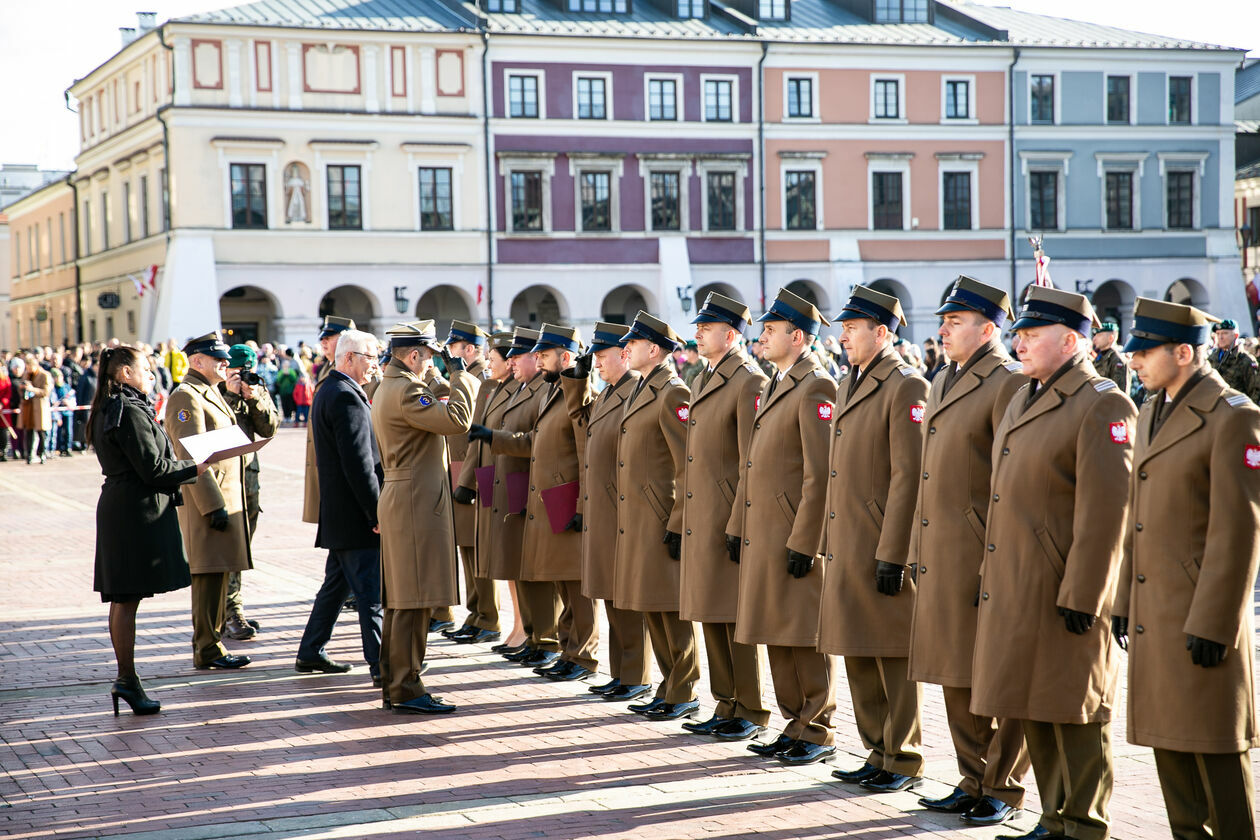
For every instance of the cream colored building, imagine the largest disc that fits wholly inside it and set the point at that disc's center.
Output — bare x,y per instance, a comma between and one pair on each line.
42,306
275,173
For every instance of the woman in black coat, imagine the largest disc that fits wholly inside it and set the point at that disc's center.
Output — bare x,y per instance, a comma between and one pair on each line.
139,549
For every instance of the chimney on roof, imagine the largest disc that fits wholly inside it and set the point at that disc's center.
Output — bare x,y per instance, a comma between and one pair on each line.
128,34
146,21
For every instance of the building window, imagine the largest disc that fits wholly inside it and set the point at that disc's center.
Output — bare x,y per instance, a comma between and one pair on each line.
527,202
662,99
1119,200
1118,99
166,200
523,96
956,200
690,9
435,199
1041,99
345,209
87,228
717,100
91,330
249,195
131,322
144,205
61,234
590,99
1181,200
126,211
666,213
901,11
800,97
721,190
1043,200
772,9
504,6
887,99
606,6
1179,100
105,220
1253,221
800,200
886,213
596,200
17,256
957,99
109,327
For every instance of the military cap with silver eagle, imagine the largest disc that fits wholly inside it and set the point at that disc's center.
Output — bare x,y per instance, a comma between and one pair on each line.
719,309
415,334
560,338
334,324
877,306
523,341
607,335
970,294
1159,322
467,331
210,344
797,311
650,328
1046,306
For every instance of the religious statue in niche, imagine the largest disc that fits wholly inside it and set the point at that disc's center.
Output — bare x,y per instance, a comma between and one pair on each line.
297,193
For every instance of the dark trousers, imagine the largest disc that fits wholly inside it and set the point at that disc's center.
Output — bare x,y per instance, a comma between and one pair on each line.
356,570
1203,791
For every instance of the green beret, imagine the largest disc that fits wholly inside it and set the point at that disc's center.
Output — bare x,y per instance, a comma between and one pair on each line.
242,356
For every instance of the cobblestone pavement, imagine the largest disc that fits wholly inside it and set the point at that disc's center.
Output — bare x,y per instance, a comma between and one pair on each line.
265,751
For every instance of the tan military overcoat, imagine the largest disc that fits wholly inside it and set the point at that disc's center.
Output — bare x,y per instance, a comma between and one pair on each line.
780,504
1053,539
457,447
310,495
650,458
490,521
876,444
194,407
947,530
1191,569
722,410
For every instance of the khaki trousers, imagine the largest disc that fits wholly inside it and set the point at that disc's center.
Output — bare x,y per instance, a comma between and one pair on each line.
804,681
578,626
540,600
627,646
991,754
674,643
1074,770
1207,791
734,675
209,611
404,638
483,598
886,704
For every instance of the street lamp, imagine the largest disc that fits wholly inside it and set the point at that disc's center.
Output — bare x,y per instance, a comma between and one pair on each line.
400,300
684,298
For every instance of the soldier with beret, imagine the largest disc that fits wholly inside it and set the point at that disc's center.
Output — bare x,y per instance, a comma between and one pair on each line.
777,518
650,459
964,407
1044,652
1107,361
1184,606
1236,366
598,419
332,328
723,401
212,518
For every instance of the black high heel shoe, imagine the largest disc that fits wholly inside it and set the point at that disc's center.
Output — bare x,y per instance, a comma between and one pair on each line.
130,689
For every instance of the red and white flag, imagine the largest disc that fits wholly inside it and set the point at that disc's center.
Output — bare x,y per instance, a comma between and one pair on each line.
1041,264
138,283
150,277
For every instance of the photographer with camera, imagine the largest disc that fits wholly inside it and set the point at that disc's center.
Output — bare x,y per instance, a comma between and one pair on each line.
246,394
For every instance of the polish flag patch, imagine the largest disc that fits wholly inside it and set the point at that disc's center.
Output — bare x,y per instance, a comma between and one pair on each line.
1119,433
916,413
757,403
683,413
824,411
1251,457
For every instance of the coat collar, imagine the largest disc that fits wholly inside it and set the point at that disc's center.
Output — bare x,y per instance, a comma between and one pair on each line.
653,382
803,367
501,394
1071,381
726,368
880,368
194,380
614,396
397,370
1186,417
525,393
340,378
991,358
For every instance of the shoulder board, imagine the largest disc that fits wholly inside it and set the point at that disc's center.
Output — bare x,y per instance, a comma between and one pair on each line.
906,371
1018,367
675,381
1237,400
751,368
1104,385
819,372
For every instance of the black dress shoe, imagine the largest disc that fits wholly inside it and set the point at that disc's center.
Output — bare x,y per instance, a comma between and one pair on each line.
886,781
227,661
622,693
736,730
556,667
958,802
705,727
540,657
574,673
768,750
673,711
857,776
604,688
460,632
426,704
990,811
436,626
480,637
643,708
323,665
1039,832
803,752
520,654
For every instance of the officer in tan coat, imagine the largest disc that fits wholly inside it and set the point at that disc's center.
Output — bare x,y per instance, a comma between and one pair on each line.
212,518
332,328
598,417
778,517
723,402
418,568
966,403
1184,604
867,598
1044,652
650,459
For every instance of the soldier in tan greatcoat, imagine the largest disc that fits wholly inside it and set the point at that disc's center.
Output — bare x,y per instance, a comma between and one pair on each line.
599,419
778,517
867,598
966,403
332,328
418,567
723,401
650,452
1185,600
1044,652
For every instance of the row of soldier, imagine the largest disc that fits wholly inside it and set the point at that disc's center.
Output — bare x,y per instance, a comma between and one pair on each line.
1003,532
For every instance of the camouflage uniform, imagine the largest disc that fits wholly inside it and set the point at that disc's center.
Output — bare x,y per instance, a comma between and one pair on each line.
1239,369
1109,364
691,370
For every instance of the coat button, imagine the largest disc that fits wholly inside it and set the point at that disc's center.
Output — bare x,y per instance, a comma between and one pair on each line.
931,430
828,556
623,430
689,532
985,596
621,463
623,498
750,463
693,422
757,426
831,515
586,527
1137,527
1141,629
1142,475
1141,578
923,522
995,497
620,531
532,459
837,433
922,569
746,542
531,487
689,458
992,547
531,516
925,475
688,494
747,504
586,498
1005,451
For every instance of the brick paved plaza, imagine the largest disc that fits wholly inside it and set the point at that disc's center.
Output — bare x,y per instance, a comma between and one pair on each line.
268,752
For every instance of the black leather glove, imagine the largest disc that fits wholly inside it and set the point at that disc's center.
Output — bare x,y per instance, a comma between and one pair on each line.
1205,652
889,577
464,495
1077,622
673,544
798,565
477,432
732,547
1120,629
582,365
453,363
575,524
219,519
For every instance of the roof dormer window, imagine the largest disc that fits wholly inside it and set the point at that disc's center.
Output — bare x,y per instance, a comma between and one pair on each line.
901,11
690,9
503,6
618,7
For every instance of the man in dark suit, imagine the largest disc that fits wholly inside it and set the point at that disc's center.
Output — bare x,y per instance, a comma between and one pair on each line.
350,479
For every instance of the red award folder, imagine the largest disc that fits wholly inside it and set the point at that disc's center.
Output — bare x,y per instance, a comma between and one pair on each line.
561,503
485,485
518,491
456,466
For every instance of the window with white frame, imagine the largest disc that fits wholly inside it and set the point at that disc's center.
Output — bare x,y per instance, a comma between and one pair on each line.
719,100
1180,194
1118,199
958,104
886,98
1180,95
1043,199
1118,100
436,210
800,97
1041,98
144,206
772,9
690,8
345,197
662,99
503,6
800,199
956,200
887,205
527,200
523,96
720,198
249,195
105,220
901,11
595,193
666,200
591,95
126,211
619,7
